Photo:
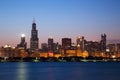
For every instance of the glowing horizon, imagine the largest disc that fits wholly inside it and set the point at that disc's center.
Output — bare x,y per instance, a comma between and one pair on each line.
59,19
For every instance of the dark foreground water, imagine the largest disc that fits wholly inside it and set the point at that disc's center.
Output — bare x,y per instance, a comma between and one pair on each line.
60,71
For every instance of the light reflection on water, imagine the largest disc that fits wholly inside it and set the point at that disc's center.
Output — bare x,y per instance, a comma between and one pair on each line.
22,71
59,71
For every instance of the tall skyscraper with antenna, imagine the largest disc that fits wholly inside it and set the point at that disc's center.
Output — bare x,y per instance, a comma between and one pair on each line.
103,43
34,41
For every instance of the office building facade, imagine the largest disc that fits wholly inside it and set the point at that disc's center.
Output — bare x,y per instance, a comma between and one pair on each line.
34,41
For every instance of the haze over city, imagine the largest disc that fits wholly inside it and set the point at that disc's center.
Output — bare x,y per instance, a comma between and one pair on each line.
59,19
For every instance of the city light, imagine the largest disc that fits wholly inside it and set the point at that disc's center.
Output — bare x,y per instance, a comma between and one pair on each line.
6,46
79,51
13,47
107,50
113,56
51,37
22,35
78,45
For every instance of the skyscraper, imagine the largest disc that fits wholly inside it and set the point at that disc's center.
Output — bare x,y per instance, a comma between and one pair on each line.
23,44
66,43
34,41
44,47
103,43
50,44
81,42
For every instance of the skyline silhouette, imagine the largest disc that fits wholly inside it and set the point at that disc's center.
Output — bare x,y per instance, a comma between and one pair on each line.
59,19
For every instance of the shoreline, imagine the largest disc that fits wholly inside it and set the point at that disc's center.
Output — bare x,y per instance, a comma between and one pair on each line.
58,60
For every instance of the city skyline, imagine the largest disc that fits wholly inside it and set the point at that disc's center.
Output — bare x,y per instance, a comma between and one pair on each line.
59,19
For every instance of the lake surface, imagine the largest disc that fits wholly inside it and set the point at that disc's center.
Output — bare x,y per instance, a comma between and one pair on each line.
60,71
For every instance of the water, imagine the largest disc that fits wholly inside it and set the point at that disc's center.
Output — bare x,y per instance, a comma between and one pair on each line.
60,71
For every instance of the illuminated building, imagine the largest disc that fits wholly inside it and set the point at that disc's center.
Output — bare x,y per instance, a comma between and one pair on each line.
57,55
53,47
112,49
44,54
118,50
34,41
56,48
79,51
85,54
23,44
118,46
7,51
66,45
70,53
81,42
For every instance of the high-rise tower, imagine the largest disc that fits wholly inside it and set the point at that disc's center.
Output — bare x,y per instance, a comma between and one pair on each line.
34,41
66,43
103,43
81,43
50,44
23,44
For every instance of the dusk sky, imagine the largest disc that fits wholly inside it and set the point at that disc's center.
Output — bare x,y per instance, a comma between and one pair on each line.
59,19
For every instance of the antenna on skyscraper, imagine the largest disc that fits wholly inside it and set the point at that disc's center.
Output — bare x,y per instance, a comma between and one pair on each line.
33,20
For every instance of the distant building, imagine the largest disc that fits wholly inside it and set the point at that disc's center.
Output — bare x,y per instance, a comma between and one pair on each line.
50,44
23,44
112,48
56,48
118,47
103,43
118,50
44,47
66,43
73,46
81,42
34,41
93,48
7,51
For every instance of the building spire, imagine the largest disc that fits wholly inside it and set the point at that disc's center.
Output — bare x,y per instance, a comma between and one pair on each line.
34,40
33,20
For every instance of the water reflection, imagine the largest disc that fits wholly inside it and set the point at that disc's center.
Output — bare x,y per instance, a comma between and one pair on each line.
59,71
51,74
22,71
